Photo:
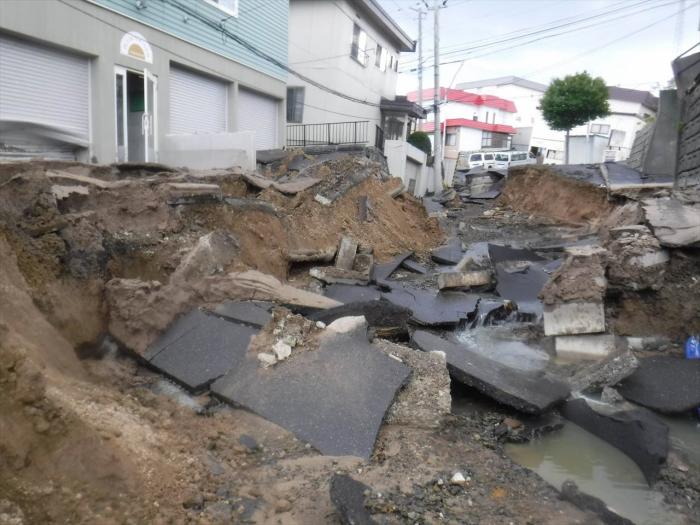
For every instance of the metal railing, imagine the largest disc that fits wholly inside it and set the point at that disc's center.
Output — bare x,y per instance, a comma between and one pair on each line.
329,133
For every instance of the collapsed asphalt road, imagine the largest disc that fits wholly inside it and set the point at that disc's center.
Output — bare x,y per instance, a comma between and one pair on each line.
241,299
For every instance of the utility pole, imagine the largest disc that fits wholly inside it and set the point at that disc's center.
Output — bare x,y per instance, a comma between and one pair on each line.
437,140
420,12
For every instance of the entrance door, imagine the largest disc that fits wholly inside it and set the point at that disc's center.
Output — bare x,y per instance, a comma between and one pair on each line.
136,96
149,128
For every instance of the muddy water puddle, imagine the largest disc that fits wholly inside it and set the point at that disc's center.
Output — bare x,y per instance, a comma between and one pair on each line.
601,470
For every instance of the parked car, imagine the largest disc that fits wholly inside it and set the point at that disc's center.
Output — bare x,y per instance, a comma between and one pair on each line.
477,159
506,159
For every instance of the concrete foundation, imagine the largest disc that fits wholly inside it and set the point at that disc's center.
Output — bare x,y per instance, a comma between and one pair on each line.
210,151
574,318
586,346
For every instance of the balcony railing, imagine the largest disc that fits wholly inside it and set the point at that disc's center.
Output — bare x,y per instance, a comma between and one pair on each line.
330,133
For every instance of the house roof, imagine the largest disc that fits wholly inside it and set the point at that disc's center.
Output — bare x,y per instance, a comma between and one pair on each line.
463,97
402,105
503,81
392,30
468,123
644,98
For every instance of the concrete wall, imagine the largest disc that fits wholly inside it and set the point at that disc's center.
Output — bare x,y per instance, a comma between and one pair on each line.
587,150
208,151
320,41
408,163
96,32
686,70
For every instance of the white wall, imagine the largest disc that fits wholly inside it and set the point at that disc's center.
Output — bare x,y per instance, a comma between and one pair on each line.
408,163
320,41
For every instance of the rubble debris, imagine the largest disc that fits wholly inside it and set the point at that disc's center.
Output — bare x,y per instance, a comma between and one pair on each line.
179,193
211,254
346,253
414,266
629,214
91,181
429,308
293,187
312,255
531,427
571,493
322,200
383,271
362,208
256,313
574,318
198,348
584,346
480,279
637,432
449,253
364,263
348,293
425,399
674,223
636,260
433,208
335,275
610,396
340,411
531,392
596,376
61,192
498,253
663,383
348,497
386,318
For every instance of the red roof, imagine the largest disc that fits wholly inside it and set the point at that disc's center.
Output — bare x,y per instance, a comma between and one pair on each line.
468,123
463,97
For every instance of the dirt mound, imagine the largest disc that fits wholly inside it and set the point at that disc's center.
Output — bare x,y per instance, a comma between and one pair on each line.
541,192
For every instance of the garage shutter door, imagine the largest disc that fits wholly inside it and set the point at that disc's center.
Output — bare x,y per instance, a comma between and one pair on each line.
197,103
258,113
46,86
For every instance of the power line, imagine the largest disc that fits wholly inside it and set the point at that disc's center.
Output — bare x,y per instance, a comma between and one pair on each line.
544,37
513,35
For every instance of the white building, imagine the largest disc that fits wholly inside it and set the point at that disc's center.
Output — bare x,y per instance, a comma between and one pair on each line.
532,132
473,122
351,47
610,138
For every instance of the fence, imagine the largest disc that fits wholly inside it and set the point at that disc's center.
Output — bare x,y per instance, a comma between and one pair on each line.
330,133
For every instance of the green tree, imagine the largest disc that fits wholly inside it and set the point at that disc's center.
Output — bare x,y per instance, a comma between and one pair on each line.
420,140
574,100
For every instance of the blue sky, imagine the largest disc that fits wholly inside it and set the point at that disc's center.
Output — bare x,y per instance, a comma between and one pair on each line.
630,43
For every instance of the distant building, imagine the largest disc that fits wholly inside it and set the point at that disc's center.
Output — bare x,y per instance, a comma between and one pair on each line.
532,132
348,52
472,121
610,138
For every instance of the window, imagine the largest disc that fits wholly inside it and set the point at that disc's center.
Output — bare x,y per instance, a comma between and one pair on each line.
227,6
487,117
378,56
602,129
391,62
503,157
451,139
396,64
475,117
617,138
295,105
488,156
475,158
359,45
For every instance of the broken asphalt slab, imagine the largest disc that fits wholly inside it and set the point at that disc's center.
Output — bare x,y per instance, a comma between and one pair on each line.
388,318
340,410
638,433
666,384
348,497
430,308
571,493
256,313
531,392
450,253
522,287
348,293
383,271
198,348
498,253
414,266
674,223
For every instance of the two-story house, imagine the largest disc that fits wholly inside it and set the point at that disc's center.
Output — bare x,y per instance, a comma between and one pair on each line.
470,122
532,131
188,82
346,54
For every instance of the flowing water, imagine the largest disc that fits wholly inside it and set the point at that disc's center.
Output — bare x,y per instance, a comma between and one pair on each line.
601,470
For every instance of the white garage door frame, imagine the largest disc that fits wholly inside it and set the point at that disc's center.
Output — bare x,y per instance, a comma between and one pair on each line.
47,86
259,113
198,102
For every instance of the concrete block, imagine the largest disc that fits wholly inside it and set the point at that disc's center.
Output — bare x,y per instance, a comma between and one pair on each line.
346,253
585,346
464,279
210,150
574,318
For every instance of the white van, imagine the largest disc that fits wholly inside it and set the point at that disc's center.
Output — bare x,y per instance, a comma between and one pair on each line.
477,159
506,159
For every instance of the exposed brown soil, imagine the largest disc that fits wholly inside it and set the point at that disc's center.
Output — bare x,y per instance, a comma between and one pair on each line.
539,191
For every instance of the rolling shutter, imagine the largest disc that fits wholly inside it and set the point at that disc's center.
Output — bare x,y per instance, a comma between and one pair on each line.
197,103
44,86
257,112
